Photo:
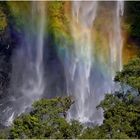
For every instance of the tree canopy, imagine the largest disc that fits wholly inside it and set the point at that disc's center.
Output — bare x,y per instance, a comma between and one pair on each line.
48,117
46,120
130,74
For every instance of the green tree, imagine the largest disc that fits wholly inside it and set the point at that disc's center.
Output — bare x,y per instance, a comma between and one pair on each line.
120,116
132,17
122,108
4,133
46,120
92,133
130,74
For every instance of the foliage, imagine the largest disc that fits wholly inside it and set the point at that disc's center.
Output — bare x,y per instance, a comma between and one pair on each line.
46,120
121,108
3,20
4,133
130,74
92,133
58,21
132,16
17,14
121,117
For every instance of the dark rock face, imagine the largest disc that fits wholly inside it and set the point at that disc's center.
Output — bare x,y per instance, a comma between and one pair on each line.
54,78
5,54
9,39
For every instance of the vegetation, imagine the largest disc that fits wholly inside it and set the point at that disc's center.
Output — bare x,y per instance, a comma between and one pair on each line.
48,117
132,17
121,108
3,20
46,120
58,21
130,74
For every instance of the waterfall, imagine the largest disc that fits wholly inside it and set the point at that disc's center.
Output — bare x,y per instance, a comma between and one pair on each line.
88,81
27,82
83,48
38,85
85,14
89,60
116,41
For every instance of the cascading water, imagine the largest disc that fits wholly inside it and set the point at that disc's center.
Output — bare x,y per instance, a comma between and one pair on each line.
85,13
27,74
90,62
89,82
116,41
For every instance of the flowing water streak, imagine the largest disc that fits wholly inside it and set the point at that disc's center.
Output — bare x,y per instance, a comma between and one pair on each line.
116,41
85,90
85,14
39,85
33,86
120,11
28,66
